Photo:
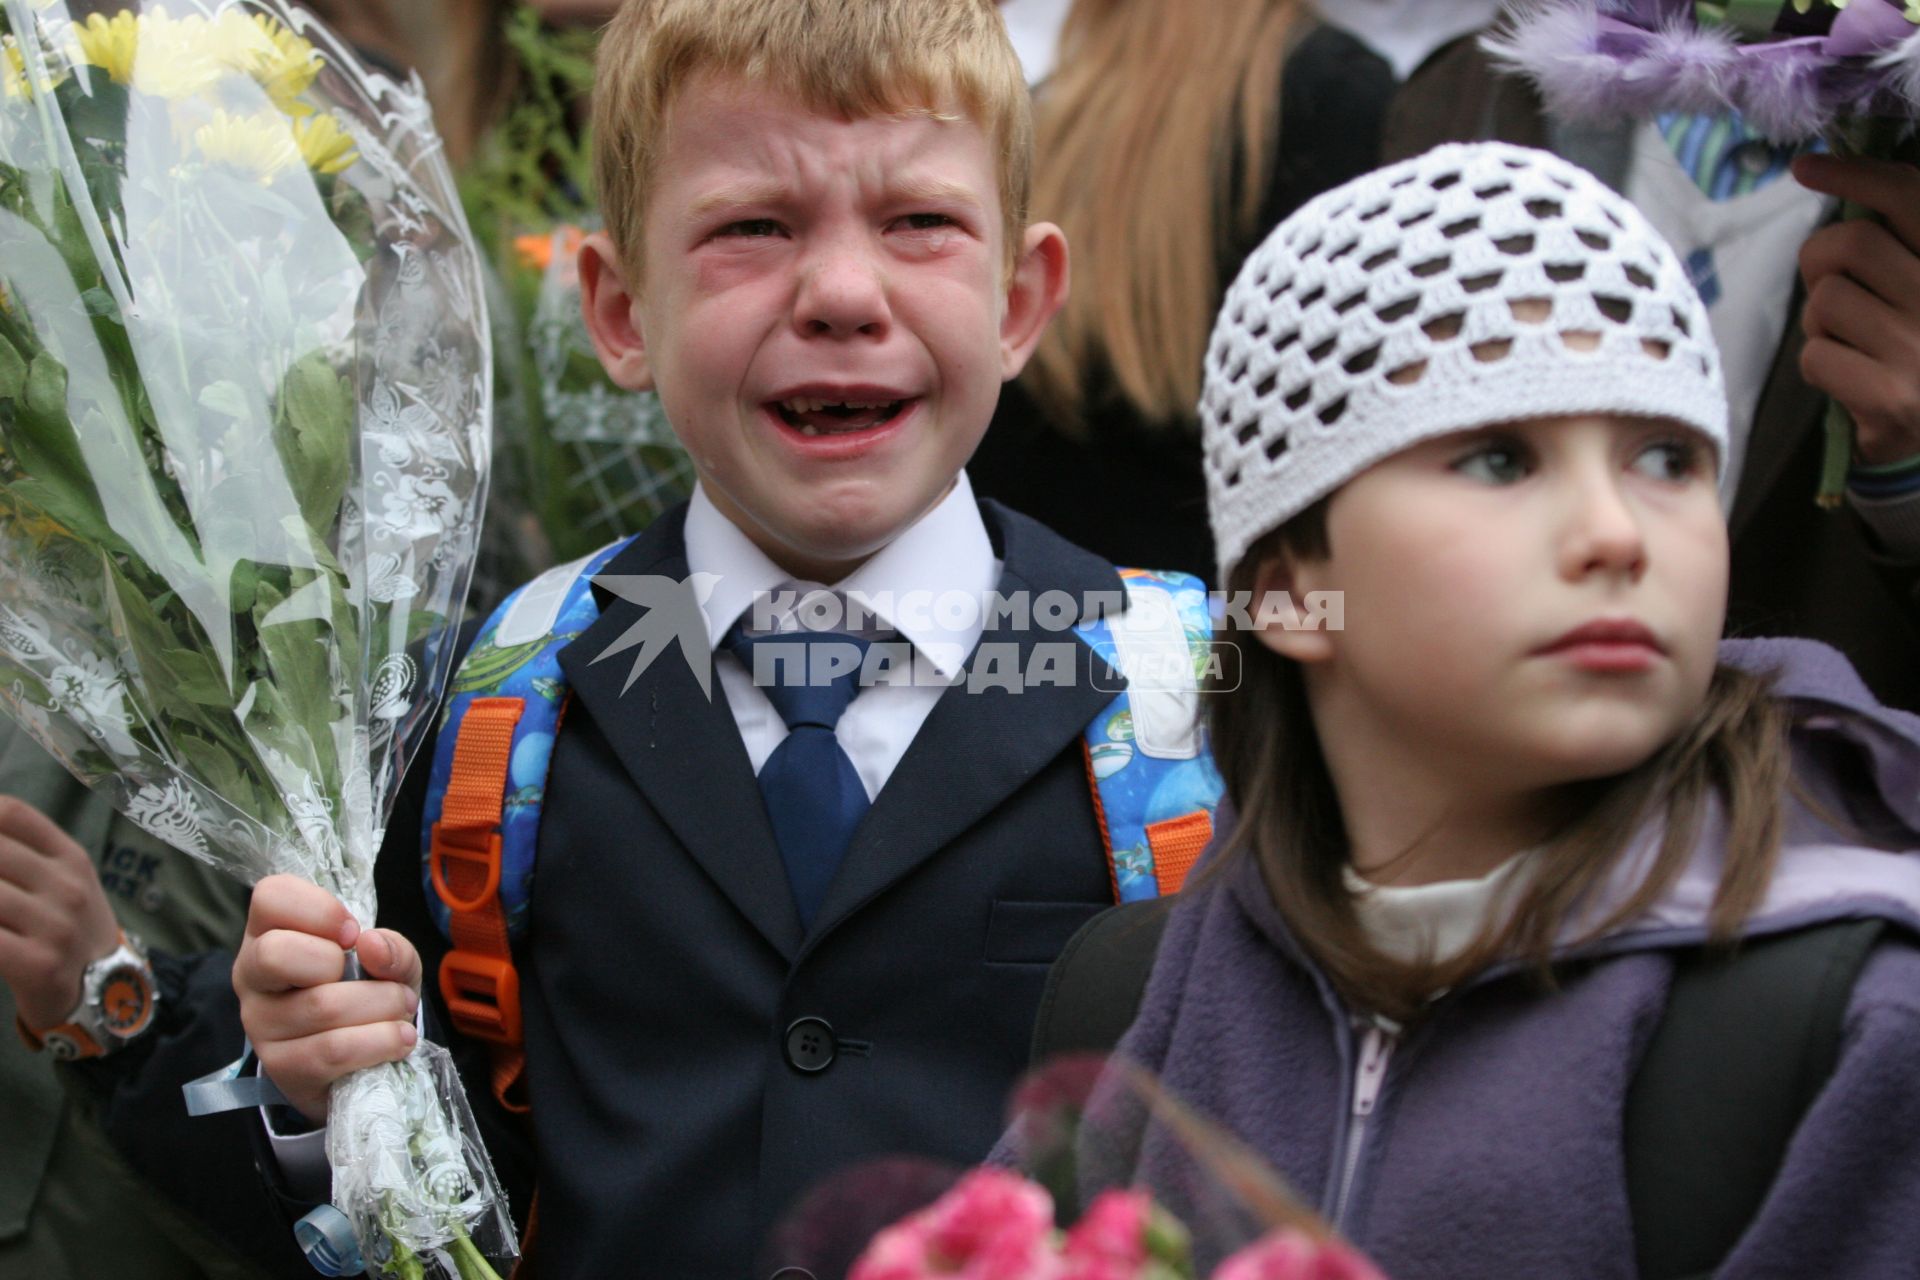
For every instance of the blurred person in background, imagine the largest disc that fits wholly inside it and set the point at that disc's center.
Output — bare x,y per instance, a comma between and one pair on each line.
73,875
1170,136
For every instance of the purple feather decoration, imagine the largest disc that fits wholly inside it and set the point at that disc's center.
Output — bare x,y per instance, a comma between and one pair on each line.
1784,95
1688,69
1900,65
1558,47
1598,60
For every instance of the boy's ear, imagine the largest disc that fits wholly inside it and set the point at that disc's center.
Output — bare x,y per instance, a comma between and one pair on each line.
1281,620
1039,287
608,306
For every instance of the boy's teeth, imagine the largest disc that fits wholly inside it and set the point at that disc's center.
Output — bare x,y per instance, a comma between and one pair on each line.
801,404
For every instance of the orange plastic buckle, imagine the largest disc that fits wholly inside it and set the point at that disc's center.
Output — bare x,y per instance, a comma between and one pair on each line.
477,847
482,995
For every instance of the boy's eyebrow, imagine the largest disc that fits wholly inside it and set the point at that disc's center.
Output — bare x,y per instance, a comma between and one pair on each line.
738,194
933,191
733,195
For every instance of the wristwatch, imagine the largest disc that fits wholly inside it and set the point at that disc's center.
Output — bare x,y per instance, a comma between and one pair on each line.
117,1002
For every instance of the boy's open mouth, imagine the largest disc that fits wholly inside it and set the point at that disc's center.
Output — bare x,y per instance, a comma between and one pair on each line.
811,417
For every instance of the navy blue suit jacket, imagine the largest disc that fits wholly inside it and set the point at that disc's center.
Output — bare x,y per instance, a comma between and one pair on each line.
666,966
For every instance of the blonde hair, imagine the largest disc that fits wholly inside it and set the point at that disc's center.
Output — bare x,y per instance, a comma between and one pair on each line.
1155,141
851,58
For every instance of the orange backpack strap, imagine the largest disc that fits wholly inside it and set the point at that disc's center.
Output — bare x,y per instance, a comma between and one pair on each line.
482,816
477,977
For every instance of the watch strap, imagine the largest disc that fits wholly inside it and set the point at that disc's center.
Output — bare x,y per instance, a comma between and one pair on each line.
68,1042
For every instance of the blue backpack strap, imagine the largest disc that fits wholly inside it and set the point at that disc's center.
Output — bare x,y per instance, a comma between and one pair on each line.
1155,787
515,656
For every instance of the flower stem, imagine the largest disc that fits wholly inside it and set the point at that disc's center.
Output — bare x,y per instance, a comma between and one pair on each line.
469,1261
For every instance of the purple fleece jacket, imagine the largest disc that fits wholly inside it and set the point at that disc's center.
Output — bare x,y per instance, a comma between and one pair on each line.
1493,1145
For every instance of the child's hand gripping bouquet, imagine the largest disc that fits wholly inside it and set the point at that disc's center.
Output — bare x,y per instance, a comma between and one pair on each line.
1796,70
244,402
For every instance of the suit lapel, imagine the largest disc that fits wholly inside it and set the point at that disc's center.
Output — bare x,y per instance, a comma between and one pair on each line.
977,748
681,748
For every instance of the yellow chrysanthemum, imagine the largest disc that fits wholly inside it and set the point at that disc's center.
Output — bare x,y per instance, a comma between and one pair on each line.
13,71
258,146
111,44
279,61
155,53
176,56
324,145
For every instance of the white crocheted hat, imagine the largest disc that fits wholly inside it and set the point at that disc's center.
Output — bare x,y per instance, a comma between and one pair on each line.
1478,283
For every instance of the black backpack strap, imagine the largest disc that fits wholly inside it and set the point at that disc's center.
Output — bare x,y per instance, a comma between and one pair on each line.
1093,990
1748,1039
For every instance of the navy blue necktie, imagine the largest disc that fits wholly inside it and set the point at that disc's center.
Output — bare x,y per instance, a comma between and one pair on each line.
813,795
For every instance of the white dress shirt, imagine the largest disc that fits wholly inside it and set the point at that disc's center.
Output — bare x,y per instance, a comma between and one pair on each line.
946,553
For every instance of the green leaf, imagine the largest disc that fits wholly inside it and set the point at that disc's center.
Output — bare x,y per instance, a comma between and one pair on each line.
226,397
74,513
96,111
244,584
311,429
13,372
215,766
299,700
354,217
43,440
47,389
197,678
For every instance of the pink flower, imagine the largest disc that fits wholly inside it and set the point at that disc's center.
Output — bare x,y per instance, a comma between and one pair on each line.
994,1225
1292,1255
1110,1240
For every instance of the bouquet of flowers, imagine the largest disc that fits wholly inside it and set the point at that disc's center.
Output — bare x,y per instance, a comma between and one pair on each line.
244,412
1078,1125
1847,71
996,1225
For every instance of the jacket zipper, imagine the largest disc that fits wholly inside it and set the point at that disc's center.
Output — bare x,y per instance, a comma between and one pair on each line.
1370,1072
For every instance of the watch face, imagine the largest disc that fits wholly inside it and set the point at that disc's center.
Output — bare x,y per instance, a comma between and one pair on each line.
126,1001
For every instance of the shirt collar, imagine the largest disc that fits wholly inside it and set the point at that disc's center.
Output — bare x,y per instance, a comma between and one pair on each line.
944,553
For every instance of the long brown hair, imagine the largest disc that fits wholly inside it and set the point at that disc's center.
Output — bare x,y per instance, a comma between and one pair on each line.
1161,115
1289,817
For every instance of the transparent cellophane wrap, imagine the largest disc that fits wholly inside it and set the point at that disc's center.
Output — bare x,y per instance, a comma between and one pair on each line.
244,423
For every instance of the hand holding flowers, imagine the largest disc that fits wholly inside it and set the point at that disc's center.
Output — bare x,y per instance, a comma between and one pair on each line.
1862,315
